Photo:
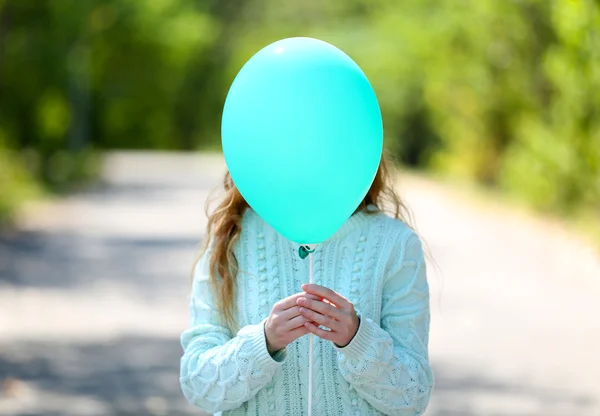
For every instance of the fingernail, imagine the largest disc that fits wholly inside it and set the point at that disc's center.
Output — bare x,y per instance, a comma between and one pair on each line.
301,310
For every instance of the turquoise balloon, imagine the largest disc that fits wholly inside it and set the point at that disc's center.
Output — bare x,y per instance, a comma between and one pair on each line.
302,137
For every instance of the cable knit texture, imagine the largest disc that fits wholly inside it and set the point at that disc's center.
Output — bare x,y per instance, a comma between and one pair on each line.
373,260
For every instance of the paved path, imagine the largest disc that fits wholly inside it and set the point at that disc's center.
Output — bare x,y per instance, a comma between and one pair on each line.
93,299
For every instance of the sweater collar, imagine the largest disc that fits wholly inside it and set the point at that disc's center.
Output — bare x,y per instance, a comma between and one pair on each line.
357,220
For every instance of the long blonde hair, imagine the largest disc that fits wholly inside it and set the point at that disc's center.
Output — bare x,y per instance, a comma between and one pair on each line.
224,227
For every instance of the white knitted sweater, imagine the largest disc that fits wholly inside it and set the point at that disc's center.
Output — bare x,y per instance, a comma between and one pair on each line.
373,260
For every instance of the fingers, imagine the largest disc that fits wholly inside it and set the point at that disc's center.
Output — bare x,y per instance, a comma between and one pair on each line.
320,319
298,332
290,314
293,310
321,307
321,333
290,301
286,303
295,322
327,293
311,296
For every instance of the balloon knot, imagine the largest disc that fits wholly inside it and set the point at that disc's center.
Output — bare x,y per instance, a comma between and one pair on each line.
304,251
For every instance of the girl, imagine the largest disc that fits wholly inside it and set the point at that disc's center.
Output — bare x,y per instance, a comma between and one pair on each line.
246,353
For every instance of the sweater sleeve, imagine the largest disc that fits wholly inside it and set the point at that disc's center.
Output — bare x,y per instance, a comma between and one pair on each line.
388,364
220,372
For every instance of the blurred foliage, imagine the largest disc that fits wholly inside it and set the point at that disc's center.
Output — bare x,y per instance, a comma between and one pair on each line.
504,92
16,185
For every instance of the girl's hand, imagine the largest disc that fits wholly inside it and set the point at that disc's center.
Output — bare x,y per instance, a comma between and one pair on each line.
285,323
340,317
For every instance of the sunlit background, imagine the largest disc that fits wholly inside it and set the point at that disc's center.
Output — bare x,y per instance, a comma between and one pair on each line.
110,117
